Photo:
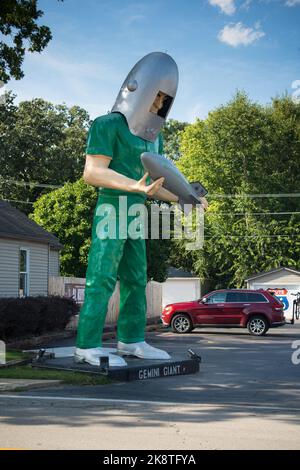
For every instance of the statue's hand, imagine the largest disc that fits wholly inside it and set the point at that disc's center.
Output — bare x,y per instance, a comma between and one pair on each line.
149,189
203,202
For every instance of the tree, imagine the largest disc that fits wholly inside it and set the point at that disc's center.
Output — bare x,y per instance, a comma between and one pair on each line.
158,253
243,148
18,21
37,138
68,213
171,135
41,143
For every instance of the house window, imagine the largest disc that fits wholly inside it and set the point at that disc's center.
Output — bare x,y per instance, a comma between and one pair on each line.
24,273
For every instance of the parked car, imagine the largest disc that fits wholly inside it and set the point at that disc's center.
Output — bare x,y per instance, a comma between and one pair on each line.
257,310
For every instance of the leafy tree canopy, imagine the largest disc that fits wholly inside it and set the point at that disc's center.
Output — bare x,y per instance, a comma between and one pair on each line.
171,135
244,149
39,143
68,213
18,21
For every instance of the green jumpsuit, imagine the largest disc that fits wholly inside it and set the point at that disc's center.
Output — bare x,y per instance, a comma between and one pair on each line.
117,256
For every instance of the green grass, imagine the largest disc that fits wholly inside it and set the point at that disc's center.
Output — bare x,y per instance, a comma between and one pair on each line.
16,355
70,378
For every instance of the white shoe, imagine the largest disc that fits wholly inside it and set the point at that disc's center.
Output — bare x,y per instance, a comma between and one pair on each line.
92,355
142,350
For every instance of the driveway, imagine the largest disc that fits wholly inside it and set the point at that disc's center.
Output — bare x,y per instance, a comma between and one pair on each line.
246,395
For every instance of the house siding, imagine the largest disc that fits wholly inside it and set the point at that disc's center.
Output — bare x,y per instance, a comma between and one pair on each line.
39,262
180,290
9,267
54,263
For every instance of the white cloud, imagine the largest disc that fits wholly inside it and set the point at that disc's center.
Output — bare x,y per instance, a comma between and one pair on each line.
246,5
227,6
236,34
292,3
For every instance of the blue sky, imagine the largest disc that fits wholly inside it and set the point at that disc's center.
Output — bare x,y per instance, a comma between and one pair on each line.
219,45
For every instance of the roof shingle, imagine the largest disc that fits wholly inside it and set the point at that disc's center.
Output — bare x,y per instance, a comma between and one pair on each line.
15,224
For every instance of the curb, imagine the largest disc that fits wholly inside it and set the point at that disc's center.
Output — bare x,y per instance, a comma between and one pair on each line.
30,343
109,332
10,385
16,362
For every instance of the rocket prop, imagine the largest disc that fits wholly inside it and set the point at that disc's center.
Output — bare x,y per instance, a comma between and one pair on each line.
159,166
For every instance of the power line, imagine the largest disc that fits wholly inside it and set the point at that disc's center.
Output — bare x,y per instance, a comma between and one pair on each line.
207,238
253,236
15,200
252,213
30,183
206,214
262,195
253,195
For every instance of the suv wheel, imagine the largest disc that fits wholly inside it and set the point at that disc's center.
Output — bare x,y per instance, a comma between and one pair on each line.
181,323
257,326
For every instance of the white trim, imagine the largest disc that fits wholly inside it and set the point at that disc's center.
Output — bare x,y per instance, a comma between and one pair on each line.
182,278
48,270
27,272
271,272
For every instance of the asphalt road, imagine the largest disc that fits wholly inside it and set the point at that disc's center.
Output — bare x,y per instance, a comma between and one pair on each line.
246,395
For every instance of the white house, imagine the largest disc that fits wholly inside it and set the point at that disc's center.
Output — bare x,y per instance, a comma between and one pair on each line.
28,254
282,281
180,286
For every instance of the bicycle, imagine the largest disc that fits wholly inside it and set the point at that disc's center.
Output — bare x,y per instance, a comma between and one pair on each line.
296,308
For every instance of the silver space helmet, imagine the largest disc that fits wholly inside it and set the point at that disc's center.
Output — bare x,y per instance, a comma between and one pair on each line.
147,94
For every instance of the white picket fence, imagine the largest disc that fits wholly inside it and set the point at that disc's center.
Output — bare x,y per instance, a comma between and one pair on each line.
74,287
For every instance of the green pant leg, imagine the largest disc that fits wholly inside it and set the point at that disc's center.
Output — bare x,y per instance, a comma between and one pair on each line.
101,276
133,281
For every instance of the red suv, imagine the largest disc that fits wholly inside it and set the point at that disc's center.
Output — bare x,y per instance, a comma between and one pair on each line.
257,310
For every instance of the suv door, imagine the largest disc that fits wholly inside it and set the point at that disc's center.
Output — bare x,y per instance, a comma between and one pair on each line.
208,312
233,308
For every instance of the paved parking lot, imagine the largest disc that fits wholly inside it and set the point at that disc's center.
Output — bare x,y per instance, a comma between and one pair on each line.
245,396
236,368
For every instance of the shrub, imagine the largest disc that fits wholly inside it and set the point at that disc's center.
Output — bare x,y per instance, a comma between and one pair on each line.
32,316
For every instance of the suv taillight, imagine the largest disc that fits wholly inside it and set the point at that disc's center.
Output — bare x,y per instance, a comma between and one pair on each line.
278,311
278,303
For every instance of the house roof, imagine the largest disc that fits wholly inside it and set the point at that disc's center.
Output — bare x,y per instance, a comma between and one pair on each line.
174,272
282,268
14,224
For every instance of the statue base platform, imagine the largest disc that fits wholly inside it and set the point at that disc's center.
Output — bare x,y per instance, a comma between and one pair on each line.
136,369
